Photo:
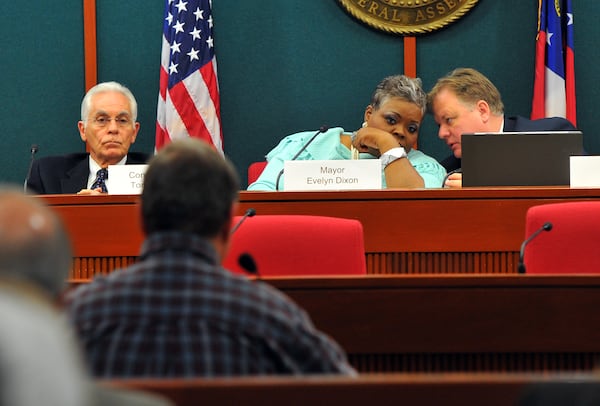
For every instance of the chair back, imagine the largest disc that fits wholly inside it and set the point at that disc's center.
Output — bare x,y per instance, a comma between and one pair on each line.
573,243
254,170
298,245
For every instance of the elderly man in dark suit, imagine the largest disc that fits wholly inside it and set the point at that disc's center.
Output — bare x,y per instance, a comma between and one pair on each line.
108,125
465,101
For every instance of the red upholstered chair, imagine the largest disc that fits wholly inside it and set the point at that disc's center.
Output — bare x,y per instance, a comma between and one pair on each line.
254,170
299,245
573,243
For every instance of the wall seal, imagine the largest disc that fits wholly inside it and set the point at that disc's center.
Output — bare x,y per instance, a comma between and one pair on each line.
407,17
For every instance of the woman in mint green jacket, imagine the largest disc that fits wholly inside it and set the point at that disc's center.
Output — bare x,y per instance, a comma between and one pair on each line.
389,132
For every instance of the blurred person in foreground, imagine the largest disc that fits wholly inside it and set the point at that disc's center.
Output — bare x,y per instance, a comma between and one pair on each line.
177,312
40,359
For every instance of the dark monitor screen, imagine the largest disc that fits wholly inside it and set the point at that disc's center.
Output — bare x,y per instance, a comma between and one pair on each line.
519,158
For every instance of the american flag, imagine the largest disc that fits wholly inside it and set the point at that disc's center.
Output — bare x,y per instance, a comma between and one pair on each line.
554,86
188,101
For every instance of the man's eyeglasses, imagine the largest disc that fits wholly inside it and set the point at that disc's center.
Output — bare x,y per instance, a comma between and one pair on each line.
103,121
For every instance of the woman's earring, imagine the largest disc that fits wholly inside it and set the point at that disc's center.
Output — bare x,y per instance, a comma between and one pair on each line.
364,124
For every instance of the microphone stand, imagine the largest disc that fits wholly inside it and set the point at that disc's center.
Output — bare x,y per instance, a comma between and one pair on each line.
322,129
34,150
521,266
249,213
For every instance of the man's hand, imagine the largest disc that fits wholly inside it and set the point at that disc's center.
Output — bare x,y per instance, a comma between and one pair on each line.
88,192
454,180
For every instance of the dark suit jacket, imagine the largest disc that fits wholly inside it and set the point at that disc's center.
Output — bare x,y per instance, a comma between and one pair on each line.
66,173
516,124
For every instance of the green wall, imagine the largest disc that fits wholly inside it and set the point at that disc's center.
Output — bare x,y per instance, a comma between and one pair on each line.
284,66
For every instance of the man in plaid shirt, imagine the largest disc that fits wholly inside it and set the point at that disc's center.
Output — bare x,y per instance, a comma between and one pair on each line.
177,312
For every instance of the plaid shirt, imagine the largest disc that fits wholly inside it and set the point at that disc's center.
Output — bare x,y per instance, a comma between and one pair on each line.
178,313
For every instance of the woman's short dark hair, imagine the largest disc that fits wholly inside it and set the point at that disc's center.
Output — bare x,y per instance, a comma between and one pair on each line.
400,86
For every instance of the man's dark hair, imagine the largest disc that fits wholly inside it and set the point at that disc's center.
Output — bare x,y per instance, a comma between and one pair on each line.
188,187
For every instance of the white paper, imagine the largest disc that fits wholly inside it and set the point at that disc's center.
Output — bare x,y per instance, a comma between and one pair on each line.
585,171
360,174
125,179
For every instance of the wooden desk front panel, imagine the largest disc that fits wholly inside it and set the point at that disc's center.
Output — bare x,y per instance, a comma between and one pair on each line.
449,323
436,231
105,231
457,389
472,230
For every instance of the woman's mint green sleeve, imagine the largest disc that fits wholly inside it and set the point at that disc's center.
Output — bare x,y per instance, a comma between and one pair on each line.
430,170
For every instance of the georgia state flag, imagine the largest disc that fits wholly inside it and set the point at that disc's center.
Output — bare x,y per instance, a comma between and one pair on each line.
554,86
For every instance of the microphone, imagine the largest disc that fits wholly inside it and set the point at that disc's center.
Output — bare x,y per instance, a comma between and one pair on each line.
459,170
33,151
249,213
246,261
321,129
521,267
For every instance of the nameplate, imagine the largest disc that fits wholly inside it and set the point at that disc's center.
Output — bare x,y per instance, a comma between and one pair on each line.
125,179
585,171
332,175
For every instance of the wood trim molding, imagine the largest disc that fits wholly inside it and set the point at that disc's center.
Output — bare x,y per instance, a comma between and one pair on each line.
410,56
89,43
